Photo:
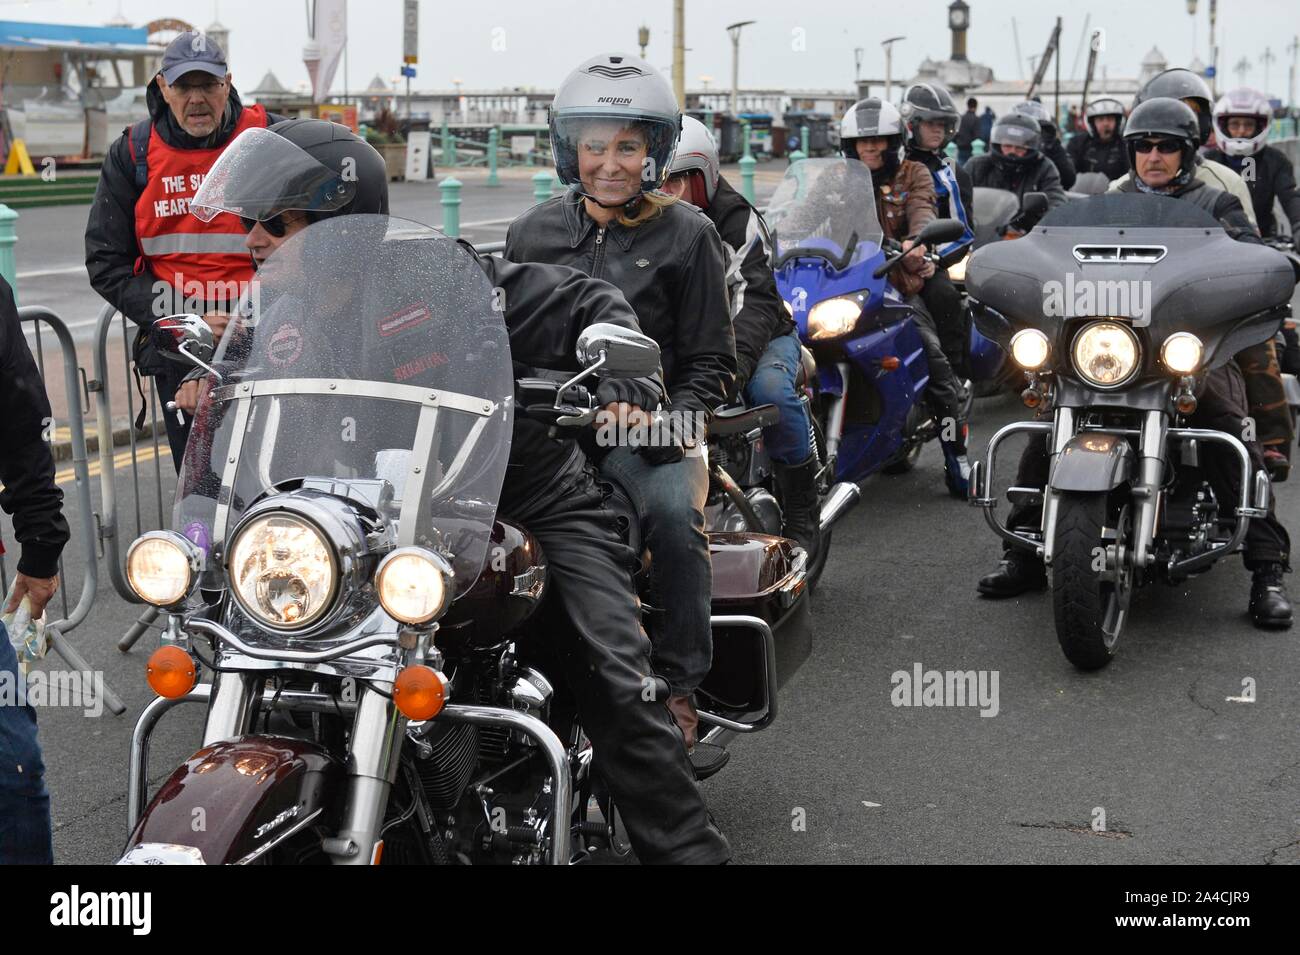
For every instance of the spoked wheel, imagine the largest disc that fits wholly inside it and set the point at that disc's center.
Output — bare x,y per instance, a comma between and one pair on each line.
1092,582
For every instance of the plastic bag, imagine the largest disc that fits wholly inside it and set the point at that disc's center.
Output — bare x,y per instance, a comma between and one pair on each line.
27,635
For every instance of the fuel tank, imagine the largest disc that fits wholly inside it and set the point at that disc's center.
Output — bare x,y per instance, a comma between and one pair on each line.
508,591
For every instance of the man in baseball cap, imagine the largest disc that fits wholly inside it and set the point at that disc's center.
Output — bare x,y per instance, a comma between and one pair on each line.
145,253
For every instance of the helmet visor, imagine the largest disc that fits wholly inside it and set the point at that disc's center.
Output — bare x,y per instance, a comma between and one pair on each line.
613,157
262,174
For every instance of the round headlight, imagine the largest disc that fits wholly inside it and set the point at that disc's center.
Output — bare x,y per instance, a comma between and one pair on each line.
1106,354
1030,348
1181,352
282,571
834,317
160,568
414,585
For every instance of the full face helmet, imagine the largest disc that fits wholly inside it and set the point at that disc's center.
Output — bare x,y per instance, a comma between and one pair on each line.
1245,103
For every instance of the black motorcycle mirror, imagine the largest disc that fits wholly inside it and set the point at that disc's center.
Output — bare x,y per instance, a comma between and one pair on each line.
1033,207
185,338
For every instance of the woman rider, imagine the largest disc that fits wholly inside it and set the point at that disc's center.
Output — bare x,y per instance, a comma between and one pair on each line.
614,126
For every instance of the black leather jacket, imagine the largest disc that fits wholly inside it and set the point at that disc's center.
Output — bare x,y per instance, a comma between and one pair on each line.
671,269
1092,155
996,173
1271,178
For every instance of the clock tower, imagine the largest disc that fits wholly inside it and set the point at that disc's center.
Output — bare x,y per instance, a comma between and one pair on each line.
958,22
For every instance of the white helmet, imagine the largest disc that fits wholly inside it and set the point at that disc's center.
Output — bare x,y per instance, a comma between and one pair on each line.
1250,104
1105,106
696,150
872,117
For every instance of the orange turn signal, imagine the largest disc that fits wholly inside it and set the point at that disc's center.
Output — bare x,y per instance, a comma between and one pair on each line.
1185,404
890,363
1031,397
171,672
420,692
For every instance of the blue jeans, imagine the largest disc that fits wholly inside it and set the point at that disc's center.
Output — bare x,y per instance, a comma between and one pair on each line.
25,837
963,155
669,500
789,441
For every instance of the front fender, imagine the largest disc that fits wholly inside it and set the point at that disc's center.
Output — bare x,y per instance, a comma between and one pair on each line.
234,797
1092,461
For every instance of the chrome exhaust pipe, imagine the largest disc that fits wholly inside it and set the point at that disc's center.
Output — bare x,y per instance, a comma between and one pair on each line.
839,502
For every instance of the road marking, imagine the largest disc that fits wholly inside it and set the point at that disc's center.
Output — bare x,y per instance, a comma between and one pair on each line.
66,270
143,452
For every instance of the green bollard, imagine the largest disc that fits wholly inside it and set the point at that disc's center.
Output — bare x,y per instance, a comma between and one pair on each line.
542,186
747,164
951,150
448,150
803,140
8,236
494,139
450,189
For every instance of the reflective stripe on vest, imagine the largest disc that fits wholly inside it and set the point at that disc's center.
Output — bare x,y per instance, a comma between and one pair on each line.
948,198
179,248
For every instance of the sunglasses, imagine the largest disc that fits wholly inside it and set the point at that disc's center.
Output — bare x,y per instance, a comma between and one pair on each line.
274,226
1166,147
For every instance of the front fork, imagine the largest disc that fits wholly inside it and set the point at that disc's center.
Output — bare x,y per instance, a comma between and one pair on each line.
372,766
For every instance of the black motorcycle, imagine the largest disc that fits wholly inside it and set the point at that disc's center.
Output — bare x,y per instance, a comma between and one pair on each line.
1116,307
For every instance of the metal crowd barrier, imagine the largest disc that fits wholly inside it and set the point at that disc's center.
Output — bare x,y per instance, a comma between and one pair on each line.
83,528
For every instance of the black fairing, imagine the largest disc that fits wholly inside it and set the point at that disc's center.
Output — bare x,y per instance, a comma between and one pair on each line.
1230,294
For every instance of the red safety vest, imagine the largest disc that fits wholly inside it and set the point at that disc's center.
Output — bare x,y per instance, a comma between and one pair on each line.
180,248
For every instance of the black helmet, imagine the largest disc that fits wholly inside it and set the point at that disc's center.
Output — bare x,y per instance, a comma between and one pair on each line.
929,102
308,165
1182,84
1039,114
1016,129
1164,118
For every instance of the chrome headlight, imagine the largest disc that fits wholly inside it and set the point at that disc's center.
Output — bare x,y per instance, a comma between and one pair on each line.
162,566
1106,354
1182,352
1030,348
835,316
414,585
283,572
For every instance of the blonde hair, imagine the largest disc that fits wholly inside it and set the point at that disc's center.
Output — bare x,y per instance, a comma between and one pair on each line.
651,206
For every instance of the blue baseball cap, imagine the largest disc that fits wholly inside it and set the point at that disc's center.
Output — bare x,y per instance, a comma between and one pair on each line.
193,51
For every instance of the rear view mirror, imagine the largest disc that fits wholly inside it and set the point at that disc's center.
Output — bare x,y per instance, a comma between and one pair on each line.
1032,208
939,231
620,352
184,338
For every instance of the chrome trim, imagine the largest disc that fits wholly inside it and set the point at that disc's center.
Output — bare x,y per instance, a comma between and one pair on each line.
373,757
440,564
1244,510
769,676
193,556
839,501
1152,454
293,830
982,487
530,583
412,498
227,493
1119,254
556,757
1062,432
353,388
215,631
1139,356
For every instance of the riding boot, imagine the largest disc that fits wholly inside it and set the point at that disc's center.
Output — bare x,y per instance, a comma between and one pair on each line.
802,509
956,464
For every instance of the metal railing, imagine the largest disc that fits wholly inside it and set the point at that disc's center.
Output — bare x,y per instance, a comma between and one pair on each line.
83,527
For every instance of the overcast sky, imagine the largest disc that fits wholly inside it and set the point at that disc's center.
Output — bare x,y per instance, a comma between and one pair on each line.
795,44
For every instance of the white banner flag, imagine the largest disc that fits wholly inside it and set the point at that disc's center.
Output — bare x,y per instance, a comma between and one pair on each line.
323,53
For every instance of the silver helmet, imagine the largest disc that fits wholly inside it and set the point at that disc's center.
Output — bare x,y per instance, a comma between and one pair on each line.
873,117
1105,106
604,96
696,150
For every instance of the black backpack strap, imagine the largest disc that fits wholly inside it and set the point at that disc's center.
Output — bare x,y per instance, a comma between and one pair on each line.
139,138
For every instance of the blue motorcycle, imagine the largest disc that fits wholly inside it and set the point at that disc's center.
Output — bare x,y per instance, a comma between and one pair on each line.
832,265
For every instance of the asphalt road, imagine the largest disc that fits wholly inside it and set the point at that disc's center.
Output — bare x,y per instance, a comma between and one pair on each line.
1181,774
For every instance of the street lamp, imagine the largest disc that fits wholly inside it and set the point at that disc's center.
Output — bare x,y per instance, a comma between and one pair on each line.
643,37
734,31
857,66
889,62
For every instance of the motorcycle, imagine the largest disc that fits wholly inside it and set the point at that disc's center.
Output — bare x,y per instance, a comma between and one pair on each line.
832,264
340,573
1161,297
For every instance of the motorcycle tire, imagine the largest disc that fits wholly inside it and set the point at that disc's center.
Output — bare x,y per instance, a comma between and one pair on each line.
906,462
1090,609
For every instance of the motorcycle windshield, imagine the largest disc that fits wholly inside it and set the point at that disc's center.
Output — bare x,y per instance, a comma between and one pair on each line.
369,349
826,208
994,207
